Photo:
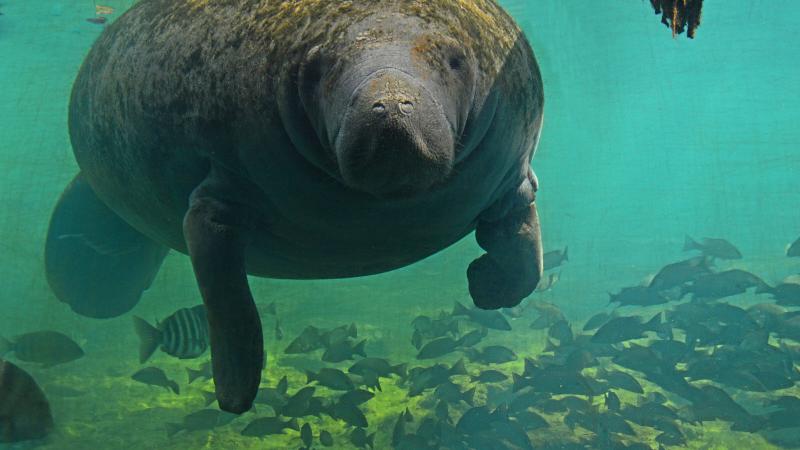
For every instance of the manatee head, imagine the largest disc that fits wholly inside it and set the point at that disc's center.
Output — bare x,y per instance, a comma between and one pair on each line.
389,102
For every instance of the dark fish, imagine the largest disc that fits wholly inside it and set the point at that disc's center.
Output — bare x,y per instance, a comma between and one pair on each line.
493,354
723,284
155,377
422,378
278,329
450,392
625,328
338,334
331,378
416,339
310,339
548,315
784,294
183,334
205,419
204,371
428,328
554,380
793,250
555,258
274,397
356,397
714,247
680,273
562,331
24,410
99,20
490,376
612,401
442,412
344,350
638,296
487,318
620,380
361,439
597,320
349,413
474,337
439,347
48,348
264,426
325,438
378,366
306,435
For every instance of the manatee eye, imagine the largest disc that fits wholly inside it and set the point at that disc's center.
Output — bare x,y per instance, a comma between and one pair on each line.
455,63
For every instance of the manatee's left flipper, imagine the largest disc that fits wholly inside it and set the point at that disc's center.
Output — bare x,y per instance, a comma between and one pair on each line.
217,233
94,261
512,266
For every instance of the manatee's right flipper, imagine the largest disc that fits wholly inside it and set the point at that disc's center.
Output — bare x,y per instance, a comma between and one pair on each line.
95,262
217,232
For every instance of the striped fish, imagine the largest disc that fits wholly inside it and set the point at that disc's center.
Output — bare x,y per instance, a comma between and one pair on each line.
184,334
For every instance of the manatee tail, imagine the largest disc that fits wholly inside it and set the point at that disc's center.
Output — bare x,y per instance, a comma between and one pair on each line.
149,340
94,261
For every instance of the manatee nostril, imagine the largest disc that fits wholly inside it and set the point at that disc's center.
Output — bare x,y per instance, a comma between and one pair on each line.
378,107
406,107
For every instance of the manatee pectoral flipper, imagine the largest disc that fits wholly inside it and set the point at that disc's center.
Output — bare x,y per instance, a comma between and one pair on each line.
217,234
95,262
512,265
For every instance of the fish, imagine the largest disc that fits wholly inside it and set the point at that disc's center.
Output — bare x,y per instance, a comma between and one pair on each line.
24,410
274,397
490,376
331,378
488,318
626,328
554,380
723,284
451,393
184,334
348,412
48,348
378,366
344,350
679,273
597,320
428,328
638,296
793,249
202,420
103,10
278,330
549,314
439,347
338,334
307,435
562,331
474,337
310,339
356,397
620,380
325,438
155,377
423,378
612,401
549,282
204,372
99,20
492,354
713,247
555,258
265,426
784,294
361,439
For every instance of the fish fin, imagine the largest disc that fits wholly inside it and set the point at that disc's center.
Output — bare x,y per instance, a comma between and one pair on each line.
208,397
371,440
174,387
549,346
149,339
359,348
293,424
5,346
98,284
458,368
566,256
518,382
690,244
283,385
352,330
459,310
400,370
469,397
310,376
173,428
654,324
192,374
761,288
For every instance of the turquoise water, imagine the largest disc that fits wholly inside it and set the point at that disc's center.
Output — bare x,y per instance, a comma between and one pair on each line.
646,139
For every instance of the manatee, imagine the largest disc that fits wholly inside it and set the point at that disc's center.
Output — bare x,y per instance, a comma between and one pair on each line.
299,139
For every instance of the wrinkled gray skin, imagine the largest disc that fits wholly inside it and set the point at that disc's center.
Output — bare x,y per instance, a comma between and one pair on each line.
329,167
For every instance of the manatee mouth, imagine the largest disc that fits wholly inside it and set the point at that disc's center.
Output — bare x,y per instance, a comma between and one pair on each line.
394,139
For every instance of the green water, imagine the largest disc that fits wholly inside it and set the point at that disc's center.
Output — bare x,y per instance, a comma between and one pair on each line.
646,139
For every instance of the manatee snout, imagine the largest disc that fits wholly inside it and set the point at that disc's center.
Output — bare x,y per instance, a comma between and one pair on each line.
394,137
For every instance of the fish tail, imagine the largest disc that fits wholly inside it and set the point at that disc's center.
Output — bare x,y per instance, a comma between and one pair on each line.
458,368
149,338
371,440
469,397
352,330
208,397
470,353
654,324
283,385
690,244
518,383
566,256
550,346
172,428
193,374
5,346
359,348
310,376
400,370
293,424
175,388
761,288
459,310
